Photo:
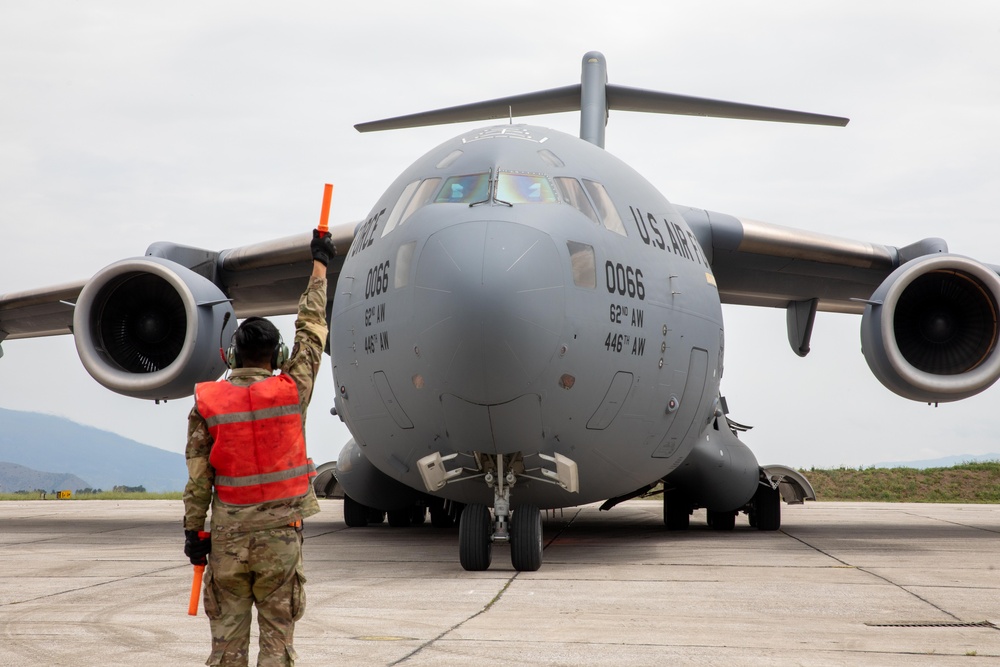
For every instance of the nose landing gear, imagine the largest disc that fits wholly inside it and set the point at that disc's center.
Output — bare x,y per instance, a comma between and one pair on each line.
479,529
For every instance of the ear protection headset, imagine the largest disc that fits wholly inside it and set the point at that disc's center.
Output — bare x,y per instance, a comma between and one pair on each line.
278,357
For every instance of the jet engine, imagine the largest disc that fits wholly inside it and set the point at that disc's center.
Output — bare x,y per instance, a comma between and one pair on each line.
148,327
929,332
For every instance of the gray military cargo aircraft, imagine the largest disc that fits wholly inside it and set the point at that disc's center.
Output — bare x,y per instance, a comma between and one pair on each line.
523,323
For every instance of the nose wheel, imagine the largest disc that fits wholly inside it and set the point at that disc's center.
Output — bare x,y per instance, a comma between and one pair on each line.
475,538
479,528
476,534
526,538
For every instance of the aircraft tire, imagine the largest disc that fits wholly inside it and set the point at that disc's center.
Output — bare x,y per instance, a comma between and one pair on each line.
767,506
475,538
526,538
721,520
375,516
418,515
355,514
399,518
676,511
441,518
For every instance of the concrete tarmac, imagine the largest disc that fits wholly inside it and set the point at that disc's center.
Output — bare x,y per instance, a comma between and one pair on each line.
106,583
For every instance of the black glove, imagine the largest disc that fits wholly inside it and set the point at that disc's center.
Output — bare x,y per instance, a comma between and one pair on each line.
322,247
197,548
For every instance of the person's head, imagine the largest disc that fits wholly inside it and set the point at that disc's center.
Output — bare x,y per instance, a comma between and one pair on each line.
257,344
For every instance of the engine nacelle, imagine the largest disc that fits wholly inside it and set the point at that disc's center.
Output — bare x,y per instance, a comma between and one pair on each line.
930,332
148,327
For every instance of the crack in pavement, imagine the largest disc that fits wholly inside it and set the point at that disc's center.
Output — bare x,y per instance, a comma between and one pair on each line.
489,605
872,574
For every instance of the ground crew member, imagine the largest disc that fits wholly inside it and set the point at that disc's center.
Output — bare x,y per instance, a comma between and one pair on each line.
246,442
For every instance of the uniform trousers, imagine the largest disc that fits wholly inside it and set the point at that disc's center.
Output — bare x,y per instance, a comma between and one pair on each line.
263,569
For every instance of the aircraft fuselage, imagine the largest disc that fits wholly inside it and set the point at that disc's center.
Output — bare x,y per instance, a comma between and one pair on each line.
519,290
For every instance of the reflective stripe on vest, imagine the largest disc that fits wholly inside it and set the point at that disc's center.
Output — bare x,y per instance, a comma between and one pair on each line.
266,478
253,415
259,452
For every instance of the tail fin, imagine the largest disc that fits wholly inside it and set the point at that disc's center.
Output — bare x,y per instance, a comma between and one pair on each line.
594,97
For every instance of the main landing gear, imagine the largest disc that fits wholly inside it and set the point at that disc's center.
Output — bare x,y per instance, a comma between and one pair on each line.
763,510
479,528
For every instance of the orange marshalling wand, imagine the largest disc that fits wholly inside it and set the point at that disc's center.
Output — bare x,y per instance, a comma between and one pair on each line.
324,216
199,572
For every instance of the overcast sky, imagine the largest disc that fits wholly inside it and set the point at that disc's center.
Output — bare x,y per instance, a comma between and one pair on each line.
216,124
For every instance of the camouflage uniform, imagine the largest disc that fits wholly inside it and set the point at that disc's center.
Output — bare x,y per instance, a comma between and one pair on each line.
256,556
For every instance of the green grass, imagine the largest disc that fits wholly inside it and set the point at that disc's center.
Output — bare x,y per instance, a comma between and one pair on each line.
104,495
966,483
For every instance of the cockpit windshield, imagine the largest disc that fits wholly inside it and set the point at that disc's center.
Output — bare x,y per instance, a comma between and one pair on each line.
464,189
524,189
511,188
506,188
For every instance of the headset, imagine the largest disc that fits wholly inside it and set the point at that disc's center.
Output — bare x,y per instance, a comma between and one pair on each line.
278,357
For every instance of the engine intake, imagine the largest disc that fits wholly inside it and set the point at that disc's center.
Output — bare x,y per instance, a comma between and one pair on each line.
930,332
148,327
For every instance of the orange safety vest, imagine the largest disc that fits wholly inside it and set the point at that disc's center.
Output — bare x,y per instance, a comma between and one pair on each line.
259,454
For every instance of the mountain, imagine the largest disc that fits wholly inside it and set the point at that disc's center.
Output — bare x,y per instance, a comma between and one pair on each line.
943,462
104,459
19,478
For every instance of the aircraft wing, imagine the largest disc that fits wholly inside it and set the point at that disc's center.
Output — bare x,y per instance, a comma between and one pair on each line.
153,326
263,278
930,320
761,264
268,278
40,312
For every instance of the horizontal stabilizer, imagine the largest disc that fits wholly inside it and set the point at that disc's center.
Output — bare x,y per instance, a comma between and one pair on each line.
554,100
621,98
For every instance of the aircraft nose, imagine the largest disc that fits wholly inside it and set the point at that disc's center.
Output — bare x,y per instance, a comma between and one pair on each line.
489,309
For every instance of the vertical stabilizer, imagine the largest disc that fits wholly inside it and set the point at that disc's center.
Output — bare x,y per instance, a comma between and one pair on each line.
593,98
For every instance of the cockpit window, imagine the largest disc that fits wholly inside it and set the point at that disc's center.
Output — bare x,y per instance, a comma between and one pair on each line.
449,159
524,189
572,193
464,189
605,207
421,197
397,209
414,195
551,158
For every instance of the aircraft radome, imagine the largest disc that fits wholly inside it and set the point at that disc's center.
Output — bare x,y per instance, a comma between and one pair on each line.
523,322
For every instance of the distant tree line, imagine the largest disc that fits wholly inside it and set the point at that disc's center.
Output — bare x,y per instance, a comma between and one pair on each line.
83,492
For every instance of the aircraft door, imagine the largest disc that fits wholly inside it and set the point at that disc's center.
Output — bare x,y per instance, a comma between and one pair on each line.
690,401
